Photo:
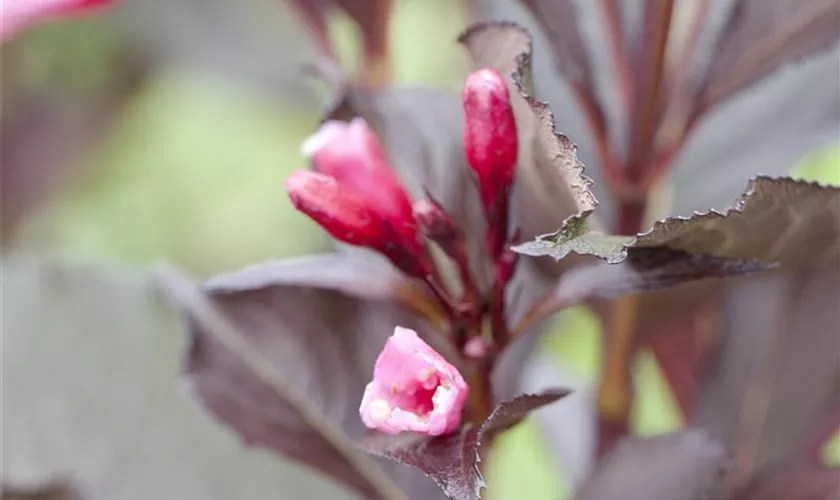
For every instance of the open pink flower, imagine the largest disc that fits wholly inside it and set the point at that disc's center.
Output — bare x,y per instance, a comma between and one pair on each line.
413,389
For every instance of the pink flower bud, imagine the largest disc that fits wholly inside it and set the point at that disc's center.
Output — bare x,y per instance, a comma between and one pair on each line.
434,221
17,15
413,389
477,348
350,218
343,214
352,154
490,139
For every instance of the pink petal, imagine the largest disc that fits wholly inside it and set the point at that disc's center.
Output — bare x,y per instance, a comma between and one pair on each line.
413,389
351,153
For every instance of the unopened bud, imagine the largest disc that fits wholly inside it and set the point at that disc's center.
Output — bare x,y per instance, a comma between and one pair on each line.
349,217
477,348
351,153
434,221
490,139
342,213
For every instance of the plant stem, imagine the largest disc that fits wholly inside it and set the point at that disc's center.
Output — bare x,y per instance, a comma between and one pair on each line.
505,266
611,13
481,391
615,394
646,109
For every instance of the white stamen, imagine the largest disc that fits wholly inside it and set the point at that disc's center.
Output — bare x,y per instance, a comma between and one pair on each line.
379,410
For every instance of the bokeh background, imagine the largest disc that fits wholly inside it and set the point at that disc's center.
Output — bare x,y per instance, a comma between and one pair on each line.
163,130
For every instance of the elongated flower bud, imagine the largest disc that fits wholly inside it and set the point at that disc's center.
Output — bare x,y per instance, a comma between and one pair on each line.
350,218
490,140
351,153
342,213
413,389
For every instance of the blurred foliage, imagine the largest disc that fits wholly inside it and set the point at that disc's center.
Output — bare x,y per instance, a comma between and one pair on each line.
194,174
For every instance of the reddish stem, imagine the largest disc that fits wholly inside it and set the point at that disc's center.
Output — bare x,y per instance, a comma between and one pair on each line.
646,108
616,391
611,12
613,175
433,282
631,216
505,266
680,88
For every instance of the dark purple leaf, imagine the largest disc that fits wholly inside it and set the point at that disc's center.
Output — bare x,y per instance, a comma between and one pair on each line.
795,481
453,460
761,36
286,366
685,465
775,378
781,220
644,270
353,272
775,220
53,491
550,183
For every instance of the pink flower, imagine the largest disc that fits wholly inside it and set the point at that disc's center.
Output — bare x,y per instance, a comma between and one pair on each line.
413,389
351,153
343,214
17,15
490,139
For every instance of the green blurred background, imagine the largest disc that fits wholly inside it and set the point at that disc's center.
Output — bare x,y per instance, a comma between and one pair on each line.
192,171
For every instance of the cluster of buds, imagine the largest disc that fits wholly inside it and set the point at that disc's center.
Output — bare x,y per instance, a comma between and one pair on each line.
354,194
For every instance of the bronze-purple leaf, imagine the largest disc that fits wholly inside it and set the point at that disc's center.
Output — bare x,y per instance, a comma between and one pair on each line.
685,465
795,481
774,383
453,460
760,36
253,376
644,270
794,222
51,491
